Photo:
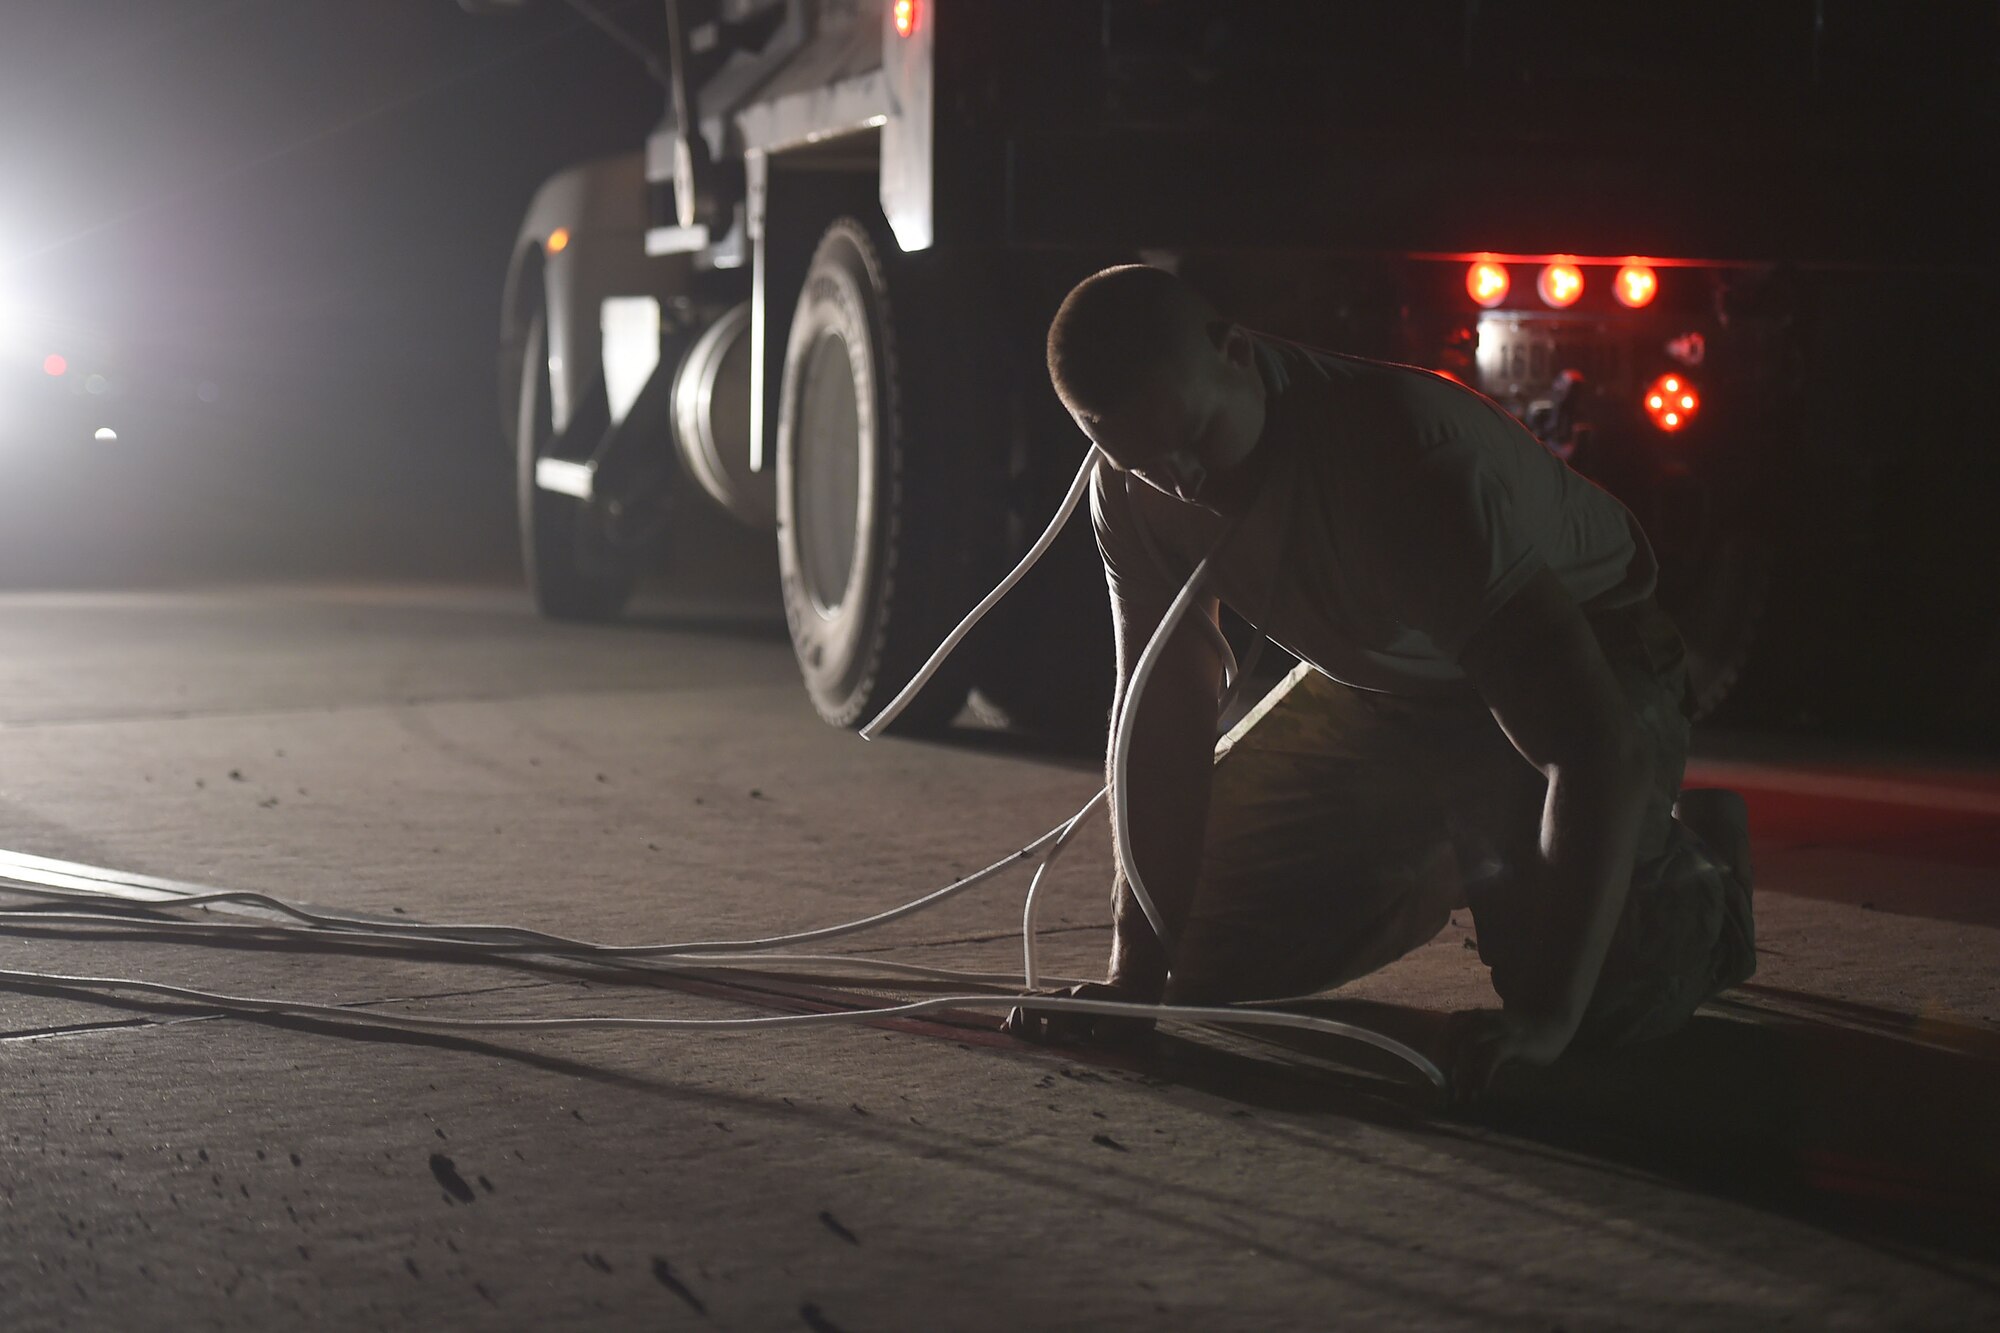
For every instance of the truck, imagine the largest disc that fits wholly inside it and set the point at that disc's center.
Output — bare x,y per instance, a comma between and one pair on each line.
1730,262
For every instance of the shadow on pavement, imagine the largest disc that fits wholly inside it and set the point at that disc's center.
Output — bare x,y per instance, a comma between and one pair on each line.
1864,1122
1818,1108
1874,1124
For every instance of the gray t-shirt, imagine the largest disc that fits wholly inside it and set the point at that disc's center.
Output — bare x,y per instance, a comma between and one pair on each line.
1401,510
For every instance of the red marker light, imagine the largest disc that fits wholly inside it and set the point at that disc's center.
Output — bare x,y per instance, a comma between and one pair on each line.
1487,282
905,13
1560,284
1636,285
55,364
1671,402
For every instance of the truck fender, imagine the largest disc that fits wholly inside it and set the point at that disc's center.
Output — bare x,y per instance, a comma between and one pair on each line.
599,210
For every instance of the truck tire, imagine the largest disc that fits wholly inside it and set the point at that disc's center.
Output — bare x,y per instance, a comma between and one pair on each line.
889,511
1709,529
573,570
1043,662
1046,671
1718,600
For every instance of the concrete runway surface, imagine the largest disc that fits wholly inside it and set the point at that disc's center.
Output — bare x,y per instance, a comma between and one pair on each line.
1817,1151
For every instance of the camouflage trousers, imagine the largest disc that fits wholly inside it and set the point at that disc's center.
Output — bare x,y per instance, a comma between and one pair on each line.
1346,826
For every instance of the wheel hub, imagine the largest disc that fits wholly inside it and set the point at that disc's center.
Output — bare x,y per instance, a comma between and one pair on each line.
828,479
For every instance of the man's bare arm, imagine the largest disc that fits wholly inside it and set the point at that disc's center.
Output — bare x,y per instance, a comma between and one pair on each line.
1173,750
1538,666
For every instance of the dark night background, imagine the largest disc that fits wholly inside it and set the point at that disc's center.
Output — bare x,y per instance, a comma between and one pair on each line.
309,205
279,229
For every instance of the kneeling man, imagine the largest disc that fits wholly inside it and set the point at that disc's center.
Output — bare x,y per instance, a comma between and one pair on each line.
1490,709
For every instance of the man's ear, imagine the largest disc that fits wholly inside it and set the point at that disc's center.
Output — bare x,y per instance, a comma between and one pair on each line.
1236,347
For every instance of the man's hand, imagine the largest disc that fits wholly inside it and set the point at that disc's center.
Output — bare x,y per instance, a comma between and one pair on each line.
1481,1041
1073,1029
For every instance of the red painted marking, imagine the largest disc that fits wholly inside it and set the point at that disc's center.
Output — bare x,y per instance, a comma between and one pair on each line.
1951,819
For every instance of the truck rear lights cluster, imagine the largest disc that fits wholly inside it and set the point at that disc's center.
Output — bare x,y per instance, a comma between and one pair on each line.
1560,282
904,14
1671,402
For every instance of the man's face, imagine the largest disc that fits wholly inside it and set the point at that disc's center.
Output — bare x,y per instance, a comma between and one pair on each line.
1190,435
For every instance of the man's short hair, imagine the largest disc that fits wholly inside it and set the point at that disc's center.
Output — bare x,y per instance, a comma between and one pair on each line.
1115,330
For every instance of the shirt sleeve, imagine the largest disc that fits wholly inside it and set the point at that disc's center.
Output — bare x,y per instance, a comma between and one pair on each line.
1131,571
1446,544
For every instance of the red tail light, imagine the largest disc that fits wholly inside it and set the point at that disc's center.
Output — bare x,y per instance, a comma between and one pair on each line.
1671,402
905,16
1486,282
1560,284
1636,285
